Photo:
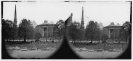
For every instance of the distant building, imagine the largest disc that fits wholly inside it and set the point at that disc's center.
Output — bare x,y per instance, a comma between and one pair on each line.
15,24
15,18
45,29
82,19
82,24
113,32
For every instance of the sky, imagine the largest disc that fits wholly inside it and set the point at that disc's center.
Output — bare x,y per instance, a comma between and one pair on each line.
102,12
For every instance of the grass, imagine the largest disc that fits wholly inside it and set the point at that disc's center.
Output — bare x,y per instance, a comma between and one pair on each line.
103,46
41,45
38,45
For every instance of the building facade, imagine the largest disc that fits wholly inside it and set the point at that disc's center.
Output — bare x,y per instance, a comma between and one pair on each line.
46,30
113,32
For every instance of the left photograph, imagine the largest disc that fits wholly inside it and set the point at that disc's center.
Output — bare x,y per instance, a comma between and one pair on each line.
32,29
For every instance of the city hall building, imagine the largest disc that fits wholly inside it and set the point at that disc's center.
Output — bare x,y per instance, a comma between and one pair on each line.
113,32
45,29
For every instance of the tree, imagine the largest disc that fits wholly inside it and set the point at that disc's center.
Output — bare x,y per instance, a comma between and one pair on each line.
118,24
56,31
97,33
75,32
26,30
46,22
104,37
37,36
59,29
112,23
7,30
92,31
125,31
72,32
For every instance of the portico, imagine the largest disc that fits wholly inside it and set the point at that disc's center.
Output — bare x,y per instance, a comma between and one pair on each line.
112,31
46,30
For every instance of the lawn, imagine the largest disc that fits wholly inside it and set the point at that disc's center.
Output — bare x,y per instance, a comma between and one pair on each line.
103,46
35,45
32,50
100,50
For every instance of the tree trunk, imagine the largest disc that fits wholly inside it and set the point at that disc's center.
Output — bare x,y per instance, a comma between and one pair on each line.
24,38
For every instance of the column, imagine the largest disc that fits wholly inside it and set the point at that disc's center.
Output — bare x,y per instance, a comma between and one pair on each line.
109,34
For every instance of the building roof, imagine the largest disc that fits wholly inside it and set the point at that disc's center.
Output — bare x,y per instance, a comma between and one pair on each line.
113,27
46,25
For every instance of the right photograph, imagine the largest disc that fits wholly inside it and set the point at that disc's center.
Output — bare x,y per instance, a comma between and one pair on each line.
100,29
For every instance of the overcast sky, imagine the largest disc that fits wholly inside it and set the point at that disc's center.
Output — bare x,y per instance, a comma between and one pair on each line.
104,12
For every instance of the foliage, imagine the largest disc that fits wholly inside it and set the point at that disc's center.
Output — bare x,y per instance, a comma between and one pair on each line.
26,30
104,37
126,31
92,31
59,29
112,23
37,36
74,31
8,30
